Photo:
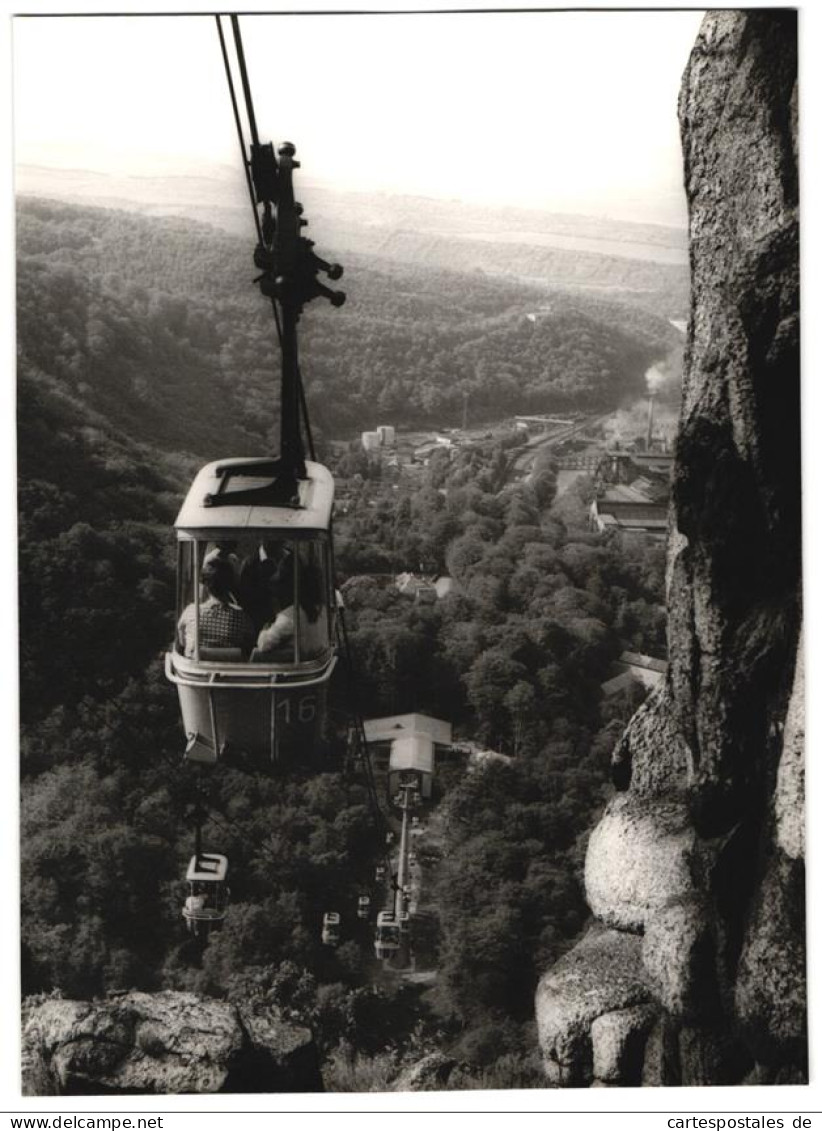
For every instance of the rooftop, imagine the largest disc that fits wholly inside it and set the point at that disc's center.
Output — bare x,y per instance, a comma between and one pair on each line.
399,726
412,752
640,660
623,493
640,518
618,683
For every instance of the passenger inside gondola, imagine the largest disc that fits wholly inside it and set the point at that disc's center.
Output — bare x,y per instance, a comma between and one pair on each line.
197,900
225,551
261,581
306,618
223,623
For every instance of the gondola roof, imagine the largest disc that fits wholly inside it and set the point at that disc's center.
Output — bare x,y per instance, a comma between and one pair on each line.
308,510
207,867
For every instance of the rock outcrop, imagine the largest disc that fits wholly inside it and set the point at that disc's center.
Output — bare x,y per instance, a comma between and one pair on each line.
602,976
640,857
430,1074
161,1044
696,869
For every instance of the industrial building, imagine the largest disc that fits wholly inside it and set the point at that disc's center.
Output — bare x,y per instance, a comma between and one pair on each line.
633,487
383,436
630,508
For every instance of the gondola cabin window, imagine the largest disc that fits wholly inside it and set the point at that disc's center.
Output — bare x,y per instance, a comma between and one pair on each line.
257,600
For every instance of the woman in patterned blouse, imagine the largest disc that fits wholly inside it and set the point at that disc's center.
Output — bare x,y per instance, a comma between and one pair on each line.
223,624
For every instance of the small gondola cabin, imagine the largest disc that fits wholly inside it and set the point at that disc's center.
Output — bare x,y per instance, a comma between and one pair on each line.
387,935
254,643
331,928
205,905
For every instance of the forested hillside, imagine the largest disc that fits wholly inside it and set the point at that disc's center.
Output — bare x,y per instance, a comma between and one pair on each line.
156,324
143,349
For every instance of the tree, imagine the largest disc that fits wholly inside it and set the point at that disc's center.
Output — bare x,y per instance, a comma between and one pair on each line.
521,703
488,681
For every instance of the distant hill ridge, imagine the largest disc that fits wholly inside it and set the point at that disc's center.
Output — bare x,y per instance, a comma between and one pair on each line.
352,219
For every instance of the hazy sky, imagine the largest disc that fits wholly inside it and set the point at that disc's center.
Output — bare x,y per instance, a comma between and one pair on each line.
569,110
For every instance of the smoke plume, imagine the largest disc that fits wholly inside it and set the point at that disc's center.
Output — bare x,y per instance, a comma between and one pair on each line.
664,378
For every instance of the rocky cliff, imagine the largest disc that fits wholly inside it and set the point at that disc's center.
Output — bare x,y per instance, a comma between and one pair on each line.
162,1044
694,969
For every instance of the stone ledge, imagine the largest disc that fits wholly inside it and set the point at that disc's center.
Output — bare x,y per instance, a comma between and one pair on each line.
602,973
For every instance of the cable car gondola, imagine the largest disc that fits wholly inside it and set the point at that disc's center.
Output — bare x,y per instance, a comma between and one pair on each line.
205,905
253,651
331,928
387,937
254,647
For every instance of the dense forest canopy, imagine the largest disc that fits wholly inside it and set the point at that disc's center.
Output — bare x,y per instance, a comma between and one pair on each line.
143,348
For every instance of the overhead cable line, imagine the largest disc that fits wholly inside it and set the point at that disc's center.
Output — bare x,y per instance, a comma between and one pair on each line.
361,738
238,124
248,166
289,268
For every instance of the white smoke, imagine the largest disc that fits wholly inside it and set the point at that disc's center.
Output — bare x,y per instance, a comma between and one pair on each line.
662,382
655,379
664,377
630,424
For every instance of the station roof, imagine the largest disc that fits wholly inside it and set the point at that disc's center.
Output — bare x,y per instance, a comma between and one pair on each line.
315,495
398,726
414,752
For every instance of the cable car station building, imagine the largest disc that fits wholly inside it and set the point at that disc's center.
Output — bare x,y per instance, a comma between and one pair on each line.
406,746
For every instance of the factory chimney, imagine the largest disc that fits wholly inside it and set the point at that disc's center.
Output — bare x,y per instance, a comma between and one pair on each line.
650,433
